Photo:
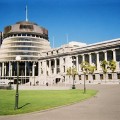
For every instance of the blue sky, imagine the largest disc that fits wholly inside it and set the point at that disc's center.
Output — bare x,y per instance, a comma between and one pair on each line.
87,21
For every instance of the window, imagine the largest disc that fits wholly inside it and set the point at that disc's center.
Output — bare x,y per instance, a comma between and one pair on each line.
33,35
63,60
93,77
41,71
58,62
79,77
30,27
19,34
23,34
86,77
118,76
101,76
52,70
58,70
64,68
109,76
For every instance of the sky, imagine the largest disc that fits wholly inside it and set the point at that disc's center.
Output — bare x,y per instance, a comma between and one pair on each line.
87,21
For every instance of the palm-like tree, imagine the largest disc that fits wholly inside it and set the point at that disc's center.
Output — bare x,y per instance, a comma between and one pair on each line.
72,71
112,66
91,69
85,68
104,66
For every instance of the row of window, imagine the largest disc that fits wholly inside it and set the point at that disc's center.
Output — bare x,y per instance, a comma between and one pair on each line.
110,77
26,34
25,44
23,48
22,53
25,39
23,58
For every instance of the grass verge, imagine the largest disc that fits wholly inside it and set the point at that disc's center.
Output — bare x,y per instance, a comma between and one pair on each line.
36,100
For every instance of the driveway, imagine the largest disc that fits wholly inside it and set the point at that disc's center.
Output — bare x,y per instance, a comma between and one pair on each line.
104,106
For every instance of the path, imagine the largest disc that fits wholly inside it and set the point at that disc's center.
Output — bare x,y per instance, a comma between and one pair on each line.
104,106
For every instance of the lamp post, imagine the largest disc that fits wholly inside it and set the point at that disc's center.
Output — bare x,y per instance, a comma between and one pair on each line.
10,75
34,73
74,72
18,58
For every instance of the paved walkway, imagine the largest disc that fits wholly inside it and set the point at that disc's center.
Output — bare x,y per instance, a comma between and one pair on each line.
104,106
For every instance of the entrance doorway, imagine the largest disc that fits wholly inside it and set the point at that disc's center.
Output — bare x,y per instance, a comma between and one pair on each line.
57,80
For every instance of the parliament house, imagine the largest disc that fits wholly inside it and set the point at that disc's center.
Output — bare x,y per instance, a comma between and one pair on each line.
41,64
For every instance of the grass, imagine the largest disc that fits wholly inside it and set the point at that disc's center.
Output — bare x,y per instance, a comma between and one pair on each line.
36,100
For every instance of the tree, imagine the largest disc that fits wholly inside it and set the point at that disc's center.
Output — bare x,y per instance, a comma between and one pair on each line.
112,66
104,66
85,68
72,71
91,69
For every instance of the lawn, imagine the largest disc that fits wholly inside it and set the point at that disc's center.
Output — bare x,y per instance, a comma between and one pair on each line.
36,100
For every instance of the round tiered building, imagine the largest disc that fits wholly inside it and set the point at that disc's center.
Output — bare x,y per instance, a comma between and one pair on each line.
24,39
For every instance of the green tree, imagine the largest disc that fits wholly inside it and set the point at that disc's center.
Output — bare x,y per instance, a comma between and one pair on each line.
91,69
112,66
85,69
72,71
104,66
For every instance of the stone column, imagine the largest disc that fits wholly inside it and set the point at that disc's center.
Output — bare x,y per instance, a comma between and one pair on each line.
33,69
83,58
55,68
45,67
114,55
49,67
45,70
61,64
90,59
98,62
77,65
9,69
0,70
105,54
39,69
3,69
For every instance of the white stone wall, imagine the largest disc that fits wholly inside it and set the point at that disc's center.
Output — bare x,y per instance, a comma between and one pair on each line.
65,55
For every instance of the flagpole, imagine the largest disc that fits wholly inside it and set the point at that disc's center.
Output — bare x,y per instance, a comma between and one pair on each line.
26,10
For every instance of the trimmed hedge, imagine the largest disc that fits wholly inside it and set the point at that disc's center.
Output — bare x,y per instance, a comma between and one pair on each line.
8,87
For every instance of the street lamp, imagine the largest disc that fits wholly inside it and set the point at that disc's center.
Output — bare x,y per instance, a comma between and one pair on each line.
10,75
18,58
74,72
34,73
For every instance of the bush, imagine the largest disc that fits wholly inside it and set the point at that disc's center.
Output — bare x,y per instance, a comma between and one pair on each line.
8,87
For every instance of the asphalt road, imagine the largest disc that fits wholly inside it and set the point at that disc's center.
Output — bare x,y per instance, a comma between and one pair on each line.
104,106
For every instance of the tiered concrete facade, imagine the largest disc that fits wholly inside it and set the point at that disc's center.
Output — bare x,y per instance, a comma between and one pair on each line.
53,64
24,39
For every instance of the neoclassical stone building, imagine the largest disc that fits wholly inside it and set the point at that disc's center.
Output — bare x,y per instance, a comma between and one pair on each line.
53,64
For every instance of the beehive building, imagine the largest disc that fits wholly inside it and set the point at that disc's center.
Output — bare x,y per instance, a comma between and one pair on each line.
24,39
